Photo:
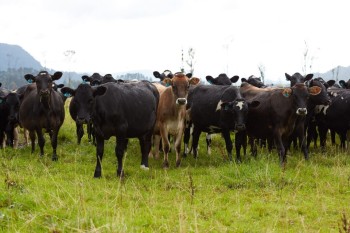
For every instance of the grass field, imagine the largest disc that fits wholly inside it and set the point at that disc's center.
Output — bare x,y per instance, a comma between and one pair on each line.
209,194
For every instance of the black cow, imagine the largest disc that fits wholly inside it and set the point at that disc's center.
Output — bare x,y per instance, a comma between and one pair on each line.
3,114
222,79
42,108
162,76
125,111
108,78
277,112
11,103
255,81
80,108
335,117
344,84
214,109
94,80
302,123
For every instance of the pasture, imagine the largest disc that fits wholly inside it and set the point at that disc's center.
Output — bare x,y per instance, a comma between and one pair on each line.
209,194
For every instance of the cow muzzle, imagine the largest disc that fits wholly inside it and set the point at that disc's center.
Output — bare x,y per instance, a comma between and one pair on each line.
302,111
240,127
181,101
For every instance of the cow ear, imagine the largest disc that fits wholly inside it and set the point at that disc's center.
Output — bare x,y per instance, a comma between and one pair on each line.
234,79
315,90
100,90
244,80
342,83
286,92
288,77
30,78
57,75
308,77
167,82
210,79
331,82
189,75
253,104
67,91
85,78
194,81
156,74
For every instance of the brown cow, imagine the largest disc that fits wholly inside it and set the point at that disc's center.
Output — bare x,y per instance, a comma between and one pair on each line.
171,114
277,113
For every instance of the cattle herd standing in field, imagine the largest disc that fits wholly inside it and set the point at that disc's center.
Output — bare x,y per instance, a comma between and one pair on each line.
169,110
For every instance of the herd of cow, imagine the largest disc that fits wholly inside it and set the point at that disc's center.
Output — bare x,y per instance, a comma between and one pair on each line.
175,106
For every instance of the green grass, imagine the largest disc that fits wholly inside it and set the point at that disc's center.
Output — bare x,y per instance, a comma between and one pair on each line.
204,195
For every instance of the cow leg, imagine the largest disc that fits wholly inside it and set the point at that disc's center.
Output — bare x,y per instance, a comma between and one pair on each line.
323,136
32,139
226,135
88,129
15,137
195,138
333,137
301,136
119,151
156,142
187,135
99,155
26,136
178,139
208,141
166,146
41,141
280,148
54,144
239,141
145,144
80,132
2,139
253,147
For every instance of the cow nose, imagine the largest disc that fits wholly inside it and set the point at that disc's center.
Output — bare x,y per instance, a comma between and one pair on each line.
181,101
240,127
44,92
302,111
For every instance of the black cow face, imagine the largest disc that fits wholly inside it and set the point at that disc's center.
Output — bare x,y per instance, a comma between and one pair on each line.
234,112
222,79
252,80
298,78
95,79
319,99
162,76
44,83
344,84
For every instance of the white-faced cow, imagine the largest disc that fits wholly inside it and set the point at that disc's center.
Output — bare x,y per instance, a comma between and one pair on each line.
42,108
127,110
80,108
171,114
215,109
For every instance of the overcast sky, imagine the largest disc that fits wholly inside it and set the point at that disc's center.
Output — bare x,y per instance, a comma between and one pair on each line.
231,36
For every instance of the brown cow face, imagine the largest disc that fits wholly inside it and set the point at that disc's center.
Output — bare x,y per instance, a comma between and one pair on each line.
180,84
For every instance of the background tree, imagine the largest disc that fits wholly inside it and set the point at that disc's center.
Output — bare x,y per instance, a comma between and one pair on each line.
261,68
191,59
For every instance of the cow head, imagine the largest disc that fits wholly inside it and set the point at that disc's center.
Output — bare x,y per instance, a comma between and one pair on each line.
12,102
344,84
329,83
162,76
300,94
298,78
222,79
322,98
83,101
108,78
95,79
180,84
44,83
252,80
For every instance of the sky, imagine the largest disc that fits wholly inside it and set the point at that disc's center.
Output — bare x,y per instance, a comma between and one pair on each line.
235,37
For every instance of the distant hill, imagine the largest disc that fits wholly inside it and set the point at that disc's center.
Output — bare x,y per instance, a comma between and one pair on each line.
15,57
337,73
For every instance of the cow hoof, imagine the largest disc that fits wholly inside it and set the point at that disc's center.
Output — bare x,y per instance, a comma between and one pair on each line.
184,155
178,163
97,175
54,158
238,161
143,167
166,165
120,173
